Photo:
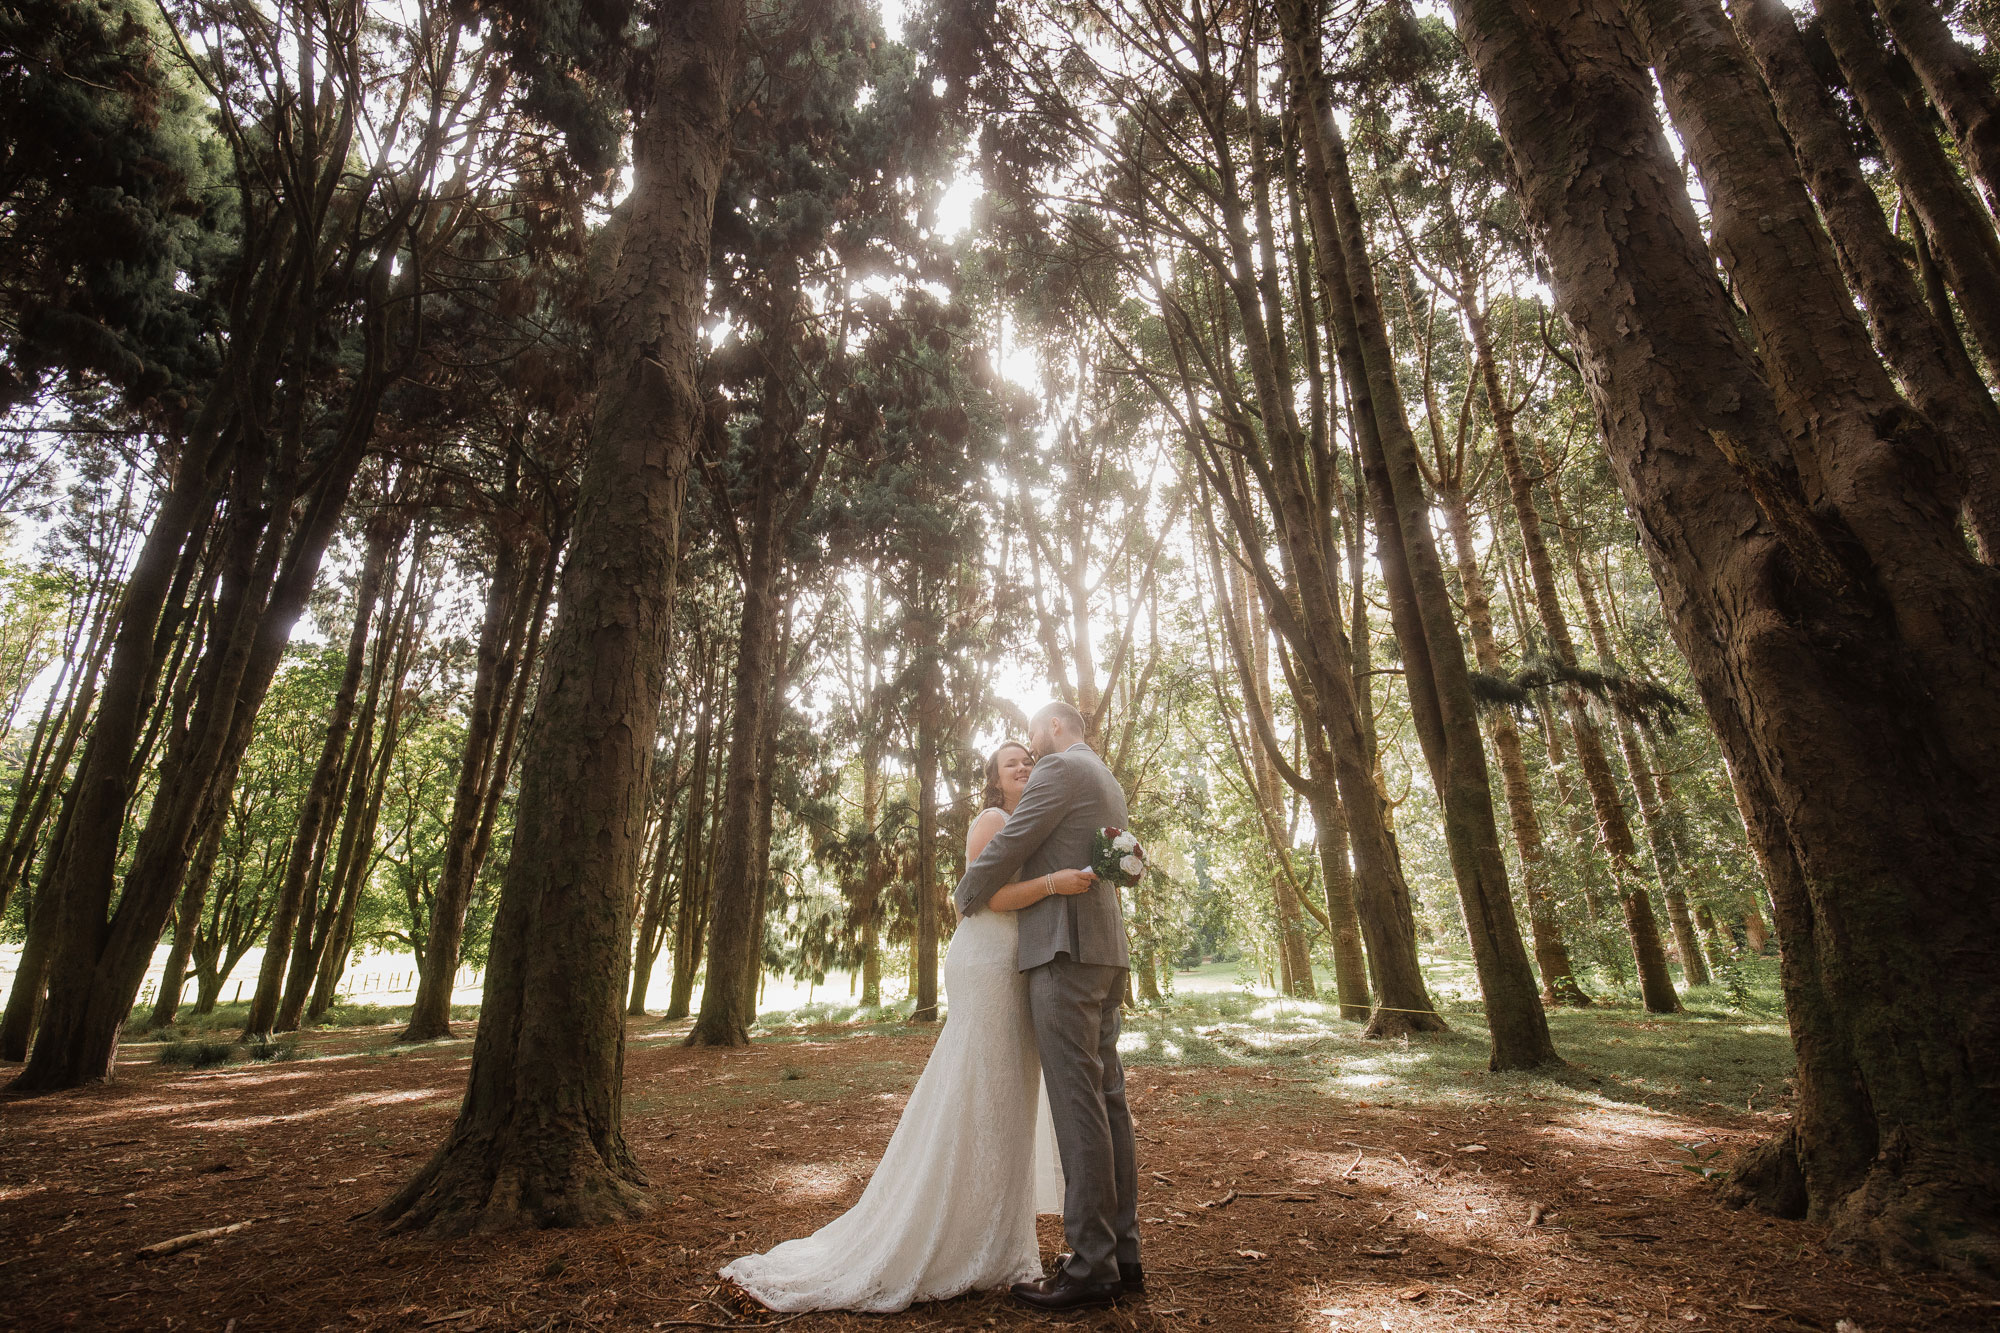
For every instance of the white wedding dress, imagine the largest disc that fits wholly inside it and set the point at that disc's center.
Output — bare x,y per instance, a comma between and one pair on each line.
951,1206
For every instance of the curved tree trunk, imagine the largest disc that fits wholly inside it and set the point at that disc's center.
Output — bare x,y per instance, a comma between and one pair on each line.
1846,644
1960,89
1959,231
1919,342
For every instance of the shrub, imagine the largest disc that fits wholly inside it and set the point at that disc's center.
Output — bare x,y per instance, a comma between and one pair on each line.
196,1054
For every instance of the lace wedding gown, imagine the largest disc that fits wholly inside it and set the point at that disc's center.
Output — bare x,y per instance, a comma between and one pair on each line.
951,1206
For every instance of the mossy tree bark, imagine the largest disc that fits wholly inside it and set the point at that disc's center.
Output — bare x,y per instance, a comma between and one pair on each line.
538,1141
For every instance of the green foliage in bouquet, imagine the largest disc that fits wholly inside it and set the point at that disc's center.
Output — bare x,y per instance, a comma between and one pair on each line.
1117,857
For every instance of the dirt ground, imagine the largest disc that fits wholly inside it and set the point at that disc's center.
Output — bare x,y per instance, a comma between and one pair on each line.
1269,1201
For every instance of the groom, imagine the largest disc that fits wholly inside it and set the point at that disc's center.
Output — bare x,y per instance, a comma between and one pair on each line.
1073,950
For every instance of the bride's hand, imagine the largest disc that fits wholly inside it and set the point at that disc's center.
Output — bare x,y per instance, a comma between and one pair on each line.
1072,882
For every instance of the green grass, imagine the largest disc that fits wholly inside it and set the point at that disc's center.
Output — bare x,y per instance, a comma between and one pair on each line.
231,1017
788,1025
1716,1053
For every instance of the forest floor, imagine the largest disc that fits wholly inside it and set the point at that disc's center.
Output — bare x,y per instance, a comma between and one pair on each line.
1293,1177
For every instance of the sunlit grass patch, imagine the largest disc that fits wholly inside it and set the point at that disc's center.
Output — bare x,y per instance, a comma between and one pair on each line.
232,1017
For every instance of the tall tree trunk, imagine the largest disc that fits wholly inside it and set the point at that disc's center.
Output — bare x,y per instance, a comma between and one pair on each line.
1920,344
1559,983
365,819
538,1139
309,944
866,904
1846,644
1652,814
503,636
658,896
924,959
1402,1001
308,849
83,859
1958,229
691,913
1656,984
274,563
1350,962
734,926
1250,651
1960,89
1457,754
187,921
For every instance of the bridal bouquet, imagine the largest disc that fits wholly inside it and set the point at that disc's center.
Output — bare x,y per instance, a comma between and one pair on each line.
1117,857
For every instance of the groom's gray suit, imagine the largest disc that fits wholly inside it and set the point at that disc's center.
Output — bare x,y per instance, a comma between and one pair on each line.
1073,950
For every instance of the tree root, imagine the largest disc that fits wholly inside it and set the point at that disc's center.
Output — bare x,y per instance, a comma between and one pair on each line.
1767,1176
472,1187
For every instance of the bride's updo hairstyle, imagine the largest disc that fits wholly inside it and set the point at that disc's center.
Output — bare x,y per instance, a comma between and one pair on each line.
993,798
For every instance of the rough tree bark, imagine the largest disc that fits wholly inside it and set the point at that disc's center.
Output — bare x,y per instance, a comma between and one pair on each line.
538,1139
1959,88
1959,231
1846,644
1919,342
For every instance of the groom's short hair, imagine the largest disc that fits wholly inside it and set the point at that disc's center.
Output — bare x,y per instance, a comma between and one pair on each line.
1071,719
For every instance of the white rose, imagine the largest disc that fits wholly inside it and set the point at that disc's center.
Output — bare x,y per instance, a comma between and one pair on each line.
1132,866
1125,842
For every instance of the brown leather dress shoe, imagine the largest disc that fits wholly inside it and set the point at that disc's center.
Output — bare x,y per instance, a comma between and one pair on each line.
1064,1292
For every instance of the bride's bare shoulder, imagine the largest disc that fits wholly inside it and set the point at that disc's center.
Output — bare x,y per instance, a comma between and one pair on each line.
984,826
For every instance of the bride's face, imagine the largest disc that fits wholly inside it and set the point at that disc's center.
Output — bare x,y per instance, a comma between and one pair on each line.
1015,766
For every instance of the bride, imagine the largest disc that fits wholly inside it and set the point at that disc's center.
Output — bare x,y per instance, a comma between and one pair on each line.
951,1206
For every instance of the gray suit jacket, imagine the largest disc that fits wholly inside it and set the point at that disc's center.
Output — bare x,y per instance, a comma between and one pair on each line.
1069,797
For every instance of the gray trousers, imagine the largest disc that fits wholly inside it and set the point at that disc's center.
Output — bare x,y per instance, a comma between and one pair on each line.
1074,1007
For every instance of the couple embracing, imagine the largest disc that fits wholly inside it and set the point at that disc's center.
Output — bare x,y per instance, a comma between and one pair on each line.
1035,974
